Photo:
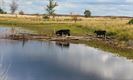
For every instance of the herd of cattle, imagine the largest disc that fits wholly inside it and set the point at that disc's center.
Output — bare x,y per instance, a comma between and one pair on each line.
66,32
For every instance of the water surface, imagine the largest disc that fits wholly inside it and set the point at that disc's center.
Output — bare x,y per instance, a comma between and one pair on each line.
36,60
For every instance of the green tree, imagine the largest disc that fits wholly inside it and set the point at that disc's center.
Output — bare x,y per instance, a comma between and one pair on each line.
87,13
2,11
50,7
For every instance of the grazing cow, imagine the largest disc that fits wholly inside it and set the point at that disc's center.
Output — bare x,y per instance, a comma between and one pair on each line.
100,33
63,32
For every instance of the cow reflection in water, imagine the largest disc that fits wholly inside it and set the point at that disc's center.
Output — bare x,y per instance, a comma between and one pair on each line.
63,44
23,42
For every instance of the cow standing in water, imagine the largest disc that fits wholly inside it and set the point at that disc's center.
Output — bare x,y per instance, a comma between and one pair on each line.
65,32
100,33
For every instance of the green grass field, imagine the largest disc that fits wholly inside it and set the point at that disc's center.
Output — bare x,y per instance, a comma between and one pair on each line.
117,28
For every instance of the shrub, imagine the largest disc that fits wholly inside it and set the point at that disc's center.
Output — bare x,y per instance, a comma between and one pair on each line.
131,21
75,18
21,12
111,34
45,17
124,36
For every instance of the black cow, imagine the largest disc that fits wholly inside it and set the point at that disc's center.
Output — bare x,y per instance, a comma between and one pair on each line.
65,32
100,33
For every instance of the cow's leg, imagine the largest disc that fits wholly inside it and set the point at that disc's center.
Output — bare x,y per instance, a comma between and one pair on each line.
62,34
105,36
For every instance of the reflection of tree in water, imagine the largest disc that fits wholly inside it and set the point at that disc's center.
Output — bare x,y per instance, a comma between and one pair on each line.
4,68
63,44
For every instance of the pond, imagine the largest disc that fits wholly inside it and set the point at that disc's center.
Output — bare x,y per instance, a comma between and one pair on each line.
45,60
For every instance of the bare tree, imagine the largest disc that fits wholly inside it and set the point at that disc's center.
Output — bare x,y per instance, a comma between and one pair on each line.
13,6
75,18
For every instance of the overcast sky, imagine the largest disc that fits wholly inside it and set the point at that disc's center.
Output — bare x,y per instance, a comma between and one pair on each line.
97,7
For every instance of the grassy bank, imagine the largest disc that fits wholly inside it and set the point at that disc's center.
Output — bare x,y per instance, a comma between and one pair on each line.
116,28
128,53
